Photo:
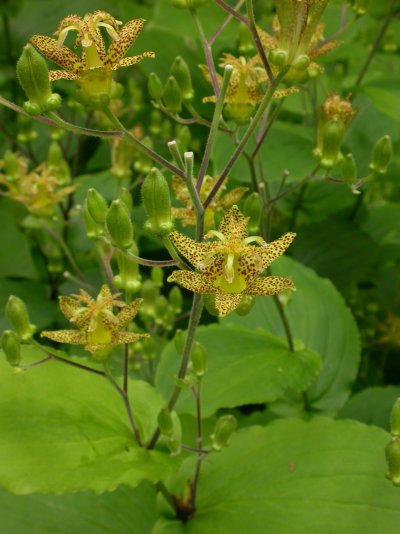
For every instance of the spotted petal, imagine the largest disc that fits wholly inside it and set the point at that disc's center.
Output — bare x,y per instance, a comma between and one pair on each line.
234,225
192,281
132,60
194,252
127,36
73,337
276,248
232,197
269,285
227,302
127,337
127,313
59,54
61,75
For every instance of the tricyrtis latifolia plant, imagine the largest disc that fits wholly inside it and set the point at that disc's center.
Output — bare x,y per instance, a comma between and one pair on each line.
226,260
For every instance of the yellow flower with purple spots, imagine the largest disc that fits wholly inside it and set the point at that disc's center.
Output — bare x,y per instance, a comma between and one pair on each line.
230,267
98,327
93,70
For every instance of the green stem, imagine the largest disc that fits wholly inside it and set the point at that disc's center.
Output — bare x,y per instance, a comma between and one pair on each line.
232,11
194,195
200,455
243,142
207,52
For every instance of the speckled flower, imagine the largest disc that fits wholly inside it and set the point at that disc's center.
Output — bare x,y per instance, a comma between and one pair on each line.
99,328
220,201
230,267
93,69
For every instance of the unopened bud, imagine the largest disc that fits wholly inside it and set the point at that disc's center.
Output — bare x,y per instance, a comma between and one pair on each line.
278,57
176,299
180,71
392,453
11,346
246,44
128,277
154,86
179,340
93,230
302,62
17,314
33,75
382,155
224,428
395,419
165,423
119,225
199,359
157,203
149,291
97,206
252,208
349,169
332,137
172,95
246,304
157,275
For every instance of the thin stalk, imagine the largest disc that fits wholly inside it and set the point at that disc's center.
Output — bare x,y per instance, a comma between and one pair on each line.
194,195
261,139
239,149
151,263
377,41
127,404
222,26
285,322
214,126
207,52
261,52
200,455
232,11
126,368
80,130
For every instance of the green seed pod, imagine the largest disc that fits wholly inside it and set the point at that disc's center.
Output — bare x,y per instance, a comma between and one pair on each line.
199,359
93,230
332,137
172,95
395,419
176,299
97,206
119,225
157,203
180,71
382,155
252,208
392,453
349,169
246,304
33,76
302,62
128,277
188,4
17,314
11,346
126,198
165,423
278,57
154,86
224,428
157,275
179,340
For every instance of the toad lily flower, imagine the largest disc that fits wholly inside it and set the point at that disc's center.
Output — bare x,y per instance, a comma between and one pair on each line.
93,70
99,327
230,267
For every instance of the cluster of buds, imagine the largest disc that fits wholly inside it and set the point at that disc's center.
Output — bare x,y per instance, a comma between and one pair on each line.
23,330
334,117
392,450
177,90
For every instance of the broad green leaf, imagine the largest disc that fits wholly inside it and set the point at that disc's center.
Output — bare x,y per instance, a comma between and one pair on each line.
383,223
124,511
371,406
383,93
318,316
16,259
294,476
66,430
245,366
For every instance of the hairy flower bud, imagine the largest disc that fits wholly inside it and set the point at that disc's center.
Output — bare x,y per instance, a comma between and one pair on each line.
199,359
11,346
172,95
179,340
332,135
17,314
382,155
33,76
126,198
97,206
175,299
157,203
93,230
224,428
349,169
157,275
392,453
154,86
180,71
252,209
119,225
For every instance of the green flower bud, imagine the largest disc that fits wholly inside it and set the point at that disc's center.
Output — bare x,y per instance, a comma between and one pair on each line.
395,419
11,346
224,428
157,203
252,208
392,453
17,314
246,45
97,206
199,359
360,6
119,225
126,198
180,71
157,275
302,62
332,137
278,57
149,291
128,277
188,4
349,170
176,299
382,155
165,423
172,95
143,163
246,304
33,76
11,165
179,340
93,230
154,86
183,138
